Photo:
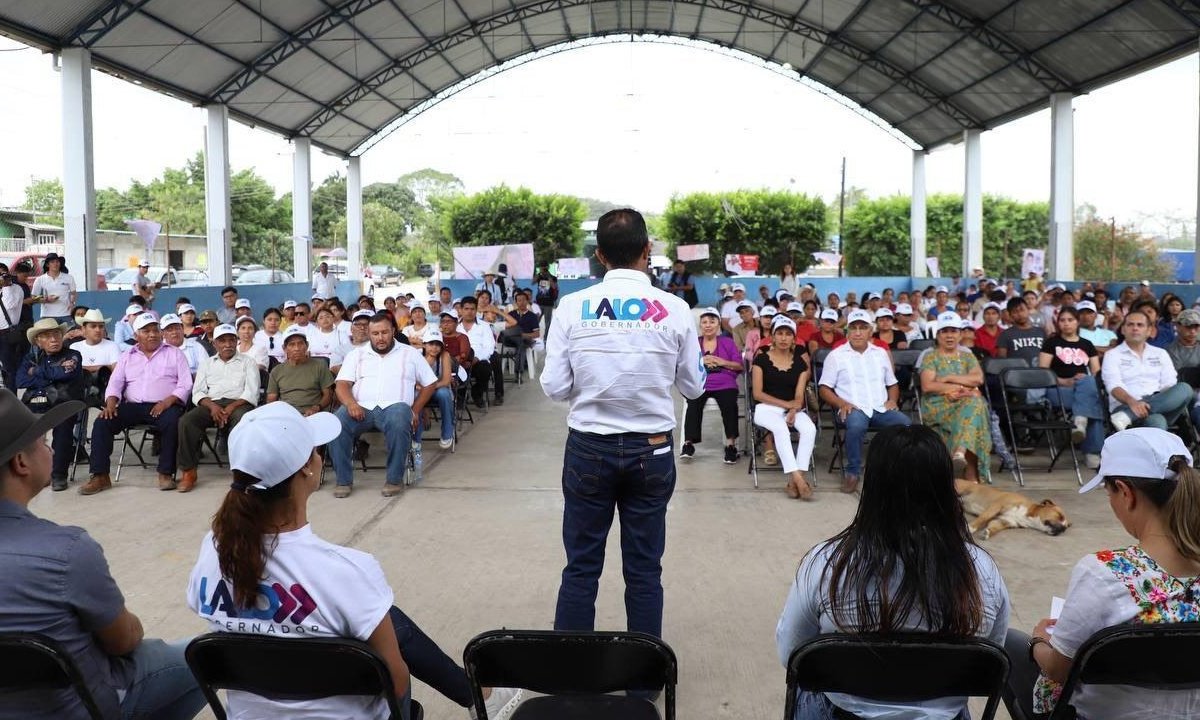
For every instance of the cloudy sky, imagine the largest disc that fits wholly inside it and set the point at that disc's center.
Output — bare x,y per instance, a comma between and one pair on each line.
639,122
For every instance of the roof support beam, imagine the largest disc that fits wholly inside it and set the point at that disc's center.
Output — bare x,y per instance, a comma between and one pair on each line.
1062,187
79,187
217,211
816,58
302,240
917,222
783,36
972,241
354,217
104,20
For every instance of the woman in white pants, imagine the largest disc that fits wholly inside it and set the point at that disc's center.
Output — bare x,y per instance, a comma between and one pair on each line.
779,377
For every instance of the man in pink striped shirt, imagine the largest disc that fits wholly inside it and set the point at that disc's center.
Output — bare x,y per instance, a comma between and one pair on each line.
150,386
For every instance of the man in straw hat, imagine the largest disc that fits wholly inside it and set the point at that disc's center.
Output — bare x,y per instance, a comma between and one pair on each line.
50,375
57,582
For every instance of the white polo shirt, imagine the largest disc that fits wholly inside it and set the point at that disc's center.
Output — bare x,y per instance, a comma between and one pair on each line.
61,286
383,380
105,352
482,339
324,285
615,350
1139,376
861,378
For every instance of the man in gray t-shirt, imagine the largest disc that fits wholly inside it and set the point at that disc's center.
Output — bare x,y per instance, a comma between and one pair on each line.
57,583
1185,350
142,284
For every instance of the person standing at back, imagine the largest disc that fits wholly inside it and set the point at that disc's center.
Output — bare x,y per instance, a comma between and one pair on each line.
614,352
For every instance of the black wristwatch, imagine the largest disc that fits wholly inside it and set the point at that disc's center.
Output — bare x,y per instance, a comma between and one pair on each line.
1034,642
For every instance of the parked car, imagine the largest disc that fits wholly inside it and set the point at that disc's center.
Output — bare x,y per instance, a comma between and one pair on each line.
386,275
425,270
165,277
191,278
263,277
12,258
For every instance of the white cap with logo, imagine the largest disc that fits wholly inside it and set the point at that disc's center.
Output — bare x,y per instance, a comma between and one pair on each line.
169,319
273,442
1143,452
225,329
242,303
861,316
782,321
829,314
432,335
134,310
294,331
904,309
710,311
949,320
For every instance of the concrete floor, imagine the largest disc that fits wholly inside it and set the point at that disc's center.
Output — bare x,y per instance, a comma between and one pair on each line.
476,546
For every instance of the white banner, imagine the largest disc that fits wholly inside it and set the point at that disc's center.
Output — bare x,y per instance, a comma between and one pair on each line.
570,268
934,266
147,230
828,259
472,262
689,253
1033,261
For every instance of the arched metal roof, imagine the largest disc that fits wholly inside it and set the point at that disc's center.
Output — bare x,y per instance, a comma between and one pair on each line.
339,71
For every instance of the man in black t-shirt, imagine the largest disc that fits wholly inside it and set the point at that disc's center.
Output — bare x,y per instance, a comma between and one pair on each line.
1021,340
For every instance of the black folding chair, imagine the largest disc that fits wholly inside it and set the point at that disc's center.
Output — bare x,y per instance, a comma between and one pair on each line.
1144,656
1044,418
290,669
922,344
36,663
574,671
905,667
904,363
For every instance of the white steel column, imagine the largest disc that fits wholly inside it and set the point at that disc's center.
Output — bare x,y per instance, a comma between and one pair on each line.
301,209
917,216
972,245
79,190
216,194
354,218
1061,260
1196,231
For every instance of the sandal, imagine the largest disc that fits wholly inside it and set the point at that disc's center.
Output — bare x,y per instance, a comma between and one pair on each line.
770,458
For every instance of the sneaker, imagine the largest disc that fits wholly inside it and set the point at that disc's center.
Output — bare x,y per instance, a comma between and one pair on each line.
731,454
58,484
687,451
343,491
1092,460
501,704
1121,421
1079,432
446,444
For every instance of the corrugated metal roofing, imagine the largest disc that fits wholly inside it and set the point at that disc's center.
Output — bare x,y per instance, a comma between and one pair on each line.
339,71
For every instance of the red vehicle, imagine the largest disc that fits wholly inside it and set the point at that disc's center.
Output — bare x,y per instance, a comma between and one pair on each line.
35,259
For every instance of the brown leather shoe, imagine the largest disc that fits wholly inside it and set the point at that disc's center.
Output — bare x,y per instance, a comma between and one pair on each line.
391,490
188,481
166,482
849,484
97,483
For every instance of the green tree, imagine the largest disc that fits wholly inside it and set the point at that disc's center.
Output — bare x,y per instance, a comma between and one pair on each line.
328,205
44,196
779,227
261,229
427,183
1107,251
507,216
383,234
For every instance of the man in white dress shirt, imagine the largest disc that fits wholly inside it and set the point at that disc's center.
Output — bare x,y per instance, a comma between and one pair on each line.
377,389
1143,387
858,382
483,342
226,388
614,352
323,283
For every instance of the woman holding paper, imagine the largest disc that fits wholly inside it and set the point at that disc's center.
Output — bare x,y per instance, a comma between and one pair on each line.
1155,494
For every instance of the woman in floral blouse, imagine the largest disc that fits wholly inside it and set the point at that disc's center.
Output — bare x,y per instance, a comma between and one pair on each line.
1155,494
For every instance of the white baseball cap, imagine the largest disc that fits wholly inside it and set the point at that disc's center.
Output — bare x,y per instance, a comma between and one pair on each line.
185,308
782,321
874,296
767,311
245,319
829,314
134,310
942,288
781,292
737,286
1000,308
169,319
286,304
723,286
272,442
858,316
242,303
795,306
1085,305
448,312
432,335
904,309
225,329
883,312
747,304
317,296
294,331
143,320
434,299
709,311
949,319
362,314
1143,452
143,263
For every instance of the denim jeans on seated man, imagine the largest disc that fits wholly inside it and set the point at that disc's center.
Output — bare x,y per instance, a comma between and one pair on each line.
394,421
857,424
1083,399
1165,407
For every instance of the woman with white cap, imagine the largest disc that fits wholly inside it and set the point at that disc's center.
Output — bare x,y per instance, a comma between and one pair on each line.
443,366
952,402
779,378
248,344
1155,494
262,553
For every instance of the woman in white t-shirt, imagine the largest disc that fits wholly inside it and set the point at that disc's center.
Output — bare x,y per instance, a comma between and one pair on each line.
248,344
325,341
270,336
262,570
1155,494
417,326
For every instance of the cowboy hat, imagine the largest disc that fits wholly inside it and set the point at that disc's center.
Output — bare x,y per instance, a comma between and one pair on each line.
45,325
13,414
93,316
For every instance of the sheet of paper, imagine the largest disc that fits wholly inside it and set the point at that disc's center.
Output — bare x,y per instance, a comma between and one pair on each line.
1056,606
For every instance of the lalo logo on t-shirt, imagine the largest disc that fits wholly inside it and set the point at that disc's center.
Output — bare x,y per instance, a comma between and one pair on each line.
284,612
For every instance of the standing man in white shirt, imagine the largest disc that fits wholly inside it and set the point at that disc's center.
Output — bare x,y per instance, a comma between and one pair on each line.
226,388
323,283
614,352
1143,387
56,288
377,389
858,382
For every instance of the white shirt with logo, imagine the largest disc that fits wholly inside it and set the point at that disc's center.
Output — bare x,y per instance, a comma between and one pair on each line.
328,345
105,352
62,286
383,380
1138,376
311,588
615,350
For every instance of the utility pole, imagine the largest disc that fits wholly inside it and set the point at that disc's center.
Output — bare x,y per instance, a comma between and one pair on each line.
842,220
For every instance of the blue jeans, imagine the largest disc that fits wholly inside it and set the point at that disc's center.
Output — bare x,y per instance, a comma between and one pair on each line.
444,397
816,706
427,663
394,421
1165,406
1083,398
857,424
162,687
634,474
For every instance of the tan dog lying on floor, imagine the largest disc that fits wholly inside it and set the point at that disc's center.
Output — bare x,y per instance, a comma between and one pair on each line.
996,510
